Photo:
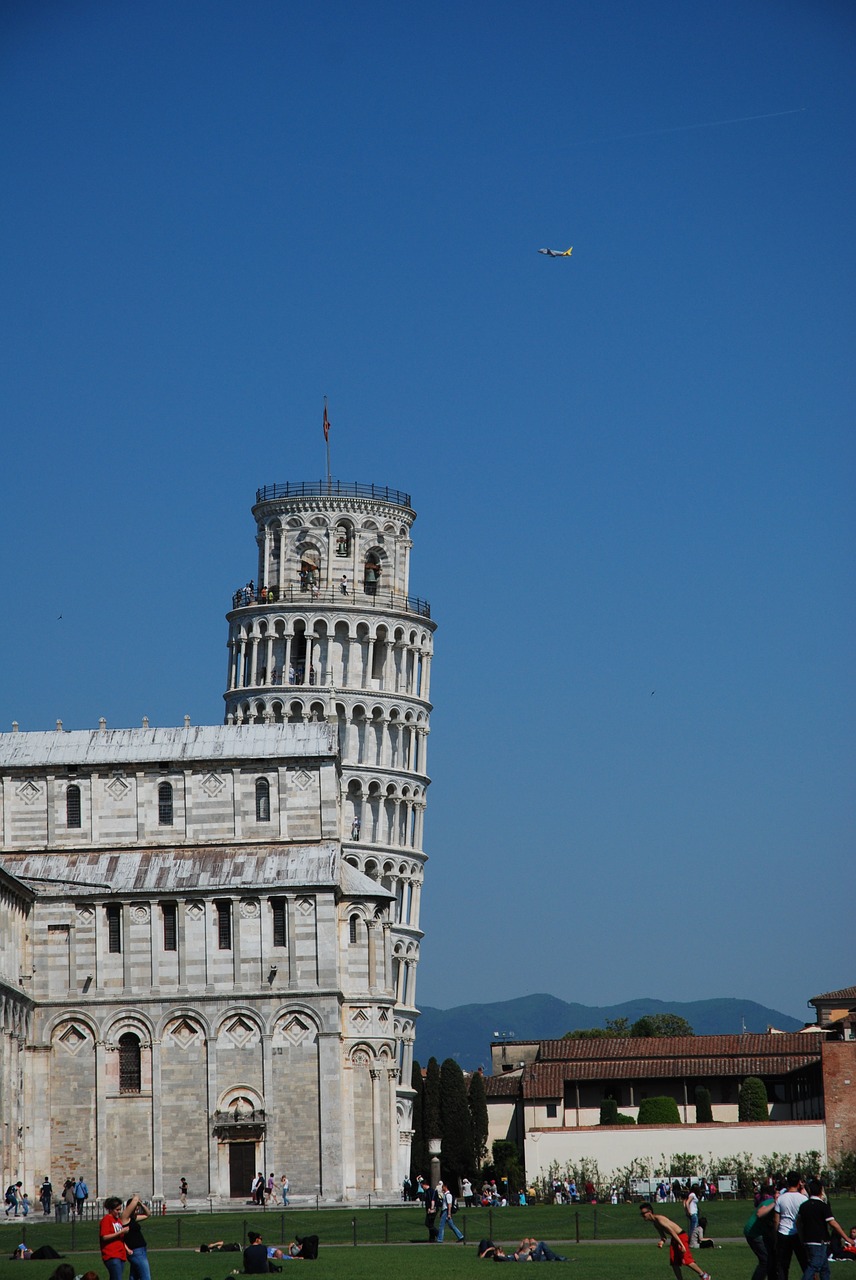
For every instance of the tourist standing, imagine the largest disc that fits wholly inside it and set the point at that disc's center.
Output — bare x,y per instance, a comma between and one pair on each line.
46,1195
135,1242
788,1243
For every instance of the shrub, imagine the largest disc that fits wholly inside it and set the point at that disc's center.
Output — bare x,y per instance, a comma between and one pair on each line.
658,1111
703,1108
752,1100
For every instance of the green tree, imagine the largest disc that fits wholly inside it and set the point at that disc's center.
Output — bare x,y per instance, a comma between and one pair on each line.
614,1028
507,1167
418,1152
431,1105
658,1111
660,1025
456,1126
478,1119
608,1111
703,1108
752,1100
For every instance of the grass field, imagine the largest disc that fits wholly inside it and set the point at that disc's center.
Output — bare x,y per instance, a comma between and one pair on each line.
390,1242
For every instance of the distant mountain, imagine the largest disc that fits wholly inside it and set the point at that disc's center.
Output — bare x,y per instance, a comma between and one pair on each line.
465,1033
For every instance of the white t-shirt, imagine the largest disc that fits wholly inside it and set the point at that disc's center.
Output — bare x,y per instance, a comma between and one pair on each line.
788,1206
692,1205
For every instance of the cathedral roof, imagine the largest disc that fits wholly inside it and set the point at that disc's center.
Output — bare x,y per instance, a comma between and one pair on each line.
220,868
117,747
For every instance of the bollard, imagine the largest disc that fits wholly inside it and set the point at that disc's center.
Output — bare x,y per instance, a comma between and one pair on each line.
490,1222
178,1241
464,1228
354,1228
282,1226
577,1216
244,1232
73,1231
386,1227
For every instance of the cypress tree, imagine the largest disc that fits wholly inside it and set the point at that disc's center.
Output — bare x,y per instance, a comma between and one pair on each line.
478,1120
456,1126
703,1108
752,1100
418,1153
431,1105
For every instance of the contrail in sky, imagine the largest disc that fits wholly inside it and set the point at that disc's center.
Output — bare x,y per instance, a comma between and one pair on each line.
683,128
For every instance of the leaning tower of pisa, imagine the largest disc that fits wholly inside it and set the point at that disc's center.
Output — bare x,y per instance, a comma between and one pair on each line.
328,630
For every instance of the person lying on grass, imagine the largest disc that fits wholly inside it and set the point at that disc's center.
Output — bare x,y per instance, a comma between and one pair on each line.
679,1245
529,1250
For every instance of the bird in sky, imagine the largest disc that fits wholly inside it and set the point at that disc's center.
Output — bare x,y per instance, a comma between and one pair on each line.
557,253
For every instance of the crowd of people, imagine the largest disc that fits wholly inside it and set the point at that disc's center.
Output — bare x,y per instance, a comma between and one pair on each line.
74,1194
267,1191
793,1218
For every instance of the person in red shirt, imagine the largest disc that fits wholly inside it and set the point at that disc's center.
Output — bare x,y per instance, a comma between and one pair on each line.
112,1231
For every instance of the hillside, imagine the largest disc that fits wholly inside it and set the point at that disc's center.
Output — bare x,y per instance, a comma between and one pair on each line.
465,1033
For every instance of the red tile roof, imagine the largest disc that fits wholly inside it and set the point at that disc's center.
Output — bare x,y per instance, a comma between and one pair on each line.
547,1079
505,1086
673,1047
846,993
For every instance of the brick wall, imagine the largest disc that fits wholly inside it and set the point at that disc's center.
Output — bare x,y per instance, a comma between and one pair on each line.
839,1088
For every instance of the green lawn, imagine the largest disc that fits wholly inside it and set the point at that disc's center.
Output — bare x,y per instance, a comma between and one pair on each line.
173,1238
642,1261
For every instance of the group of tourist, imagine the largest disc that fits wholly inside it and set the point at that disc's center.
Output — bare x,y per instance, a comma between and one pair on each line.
269,1191
75,1194
794,1219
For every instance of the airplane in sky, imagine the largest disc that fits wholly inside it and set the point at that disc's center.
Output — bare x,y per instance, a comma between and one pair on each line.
557,253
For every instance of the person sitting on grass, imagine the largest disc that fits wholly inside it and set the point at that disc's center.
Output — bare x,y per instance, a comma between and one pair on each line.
679,1245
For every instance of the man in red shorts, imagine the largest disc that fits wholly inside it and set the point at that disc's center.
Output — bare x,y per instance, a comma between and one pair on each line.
679,1245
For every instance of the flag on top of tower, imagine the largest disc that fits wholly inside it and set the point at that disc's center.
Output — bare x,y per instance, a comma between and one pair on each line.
326,422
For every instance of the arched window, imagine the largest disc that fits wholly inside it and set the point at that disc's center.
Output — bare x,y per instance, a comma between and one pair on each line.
130,1066
353,924
165,804
262,800
72,807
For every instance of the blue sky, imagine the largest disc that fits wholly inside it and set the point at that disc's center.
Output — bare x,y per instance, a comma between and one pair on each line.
633,469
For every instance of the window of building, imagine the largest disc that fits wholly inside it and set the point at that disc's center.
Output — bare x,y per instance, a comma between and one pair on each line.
170,926
262,800
352,929
552,1110
72,807
224,925
130,1065
114,927
165,811
280,933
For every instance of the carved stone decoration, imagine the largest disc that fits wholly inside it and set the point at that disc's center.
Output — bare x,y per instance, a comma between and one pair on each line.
72,1039
28,791
359,1058
85,914
139,913
212,785
306,906
360,1017
249,908
302,780
195,909
241,1032
118,787
183,1033
295,1030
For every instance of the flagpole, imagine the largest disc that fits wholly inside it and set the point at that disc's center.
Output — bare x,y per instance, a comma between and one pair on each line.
327,442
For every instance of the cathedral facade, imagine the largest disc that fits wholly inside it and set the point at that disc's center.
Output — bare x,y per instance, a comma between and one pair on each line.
209,935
